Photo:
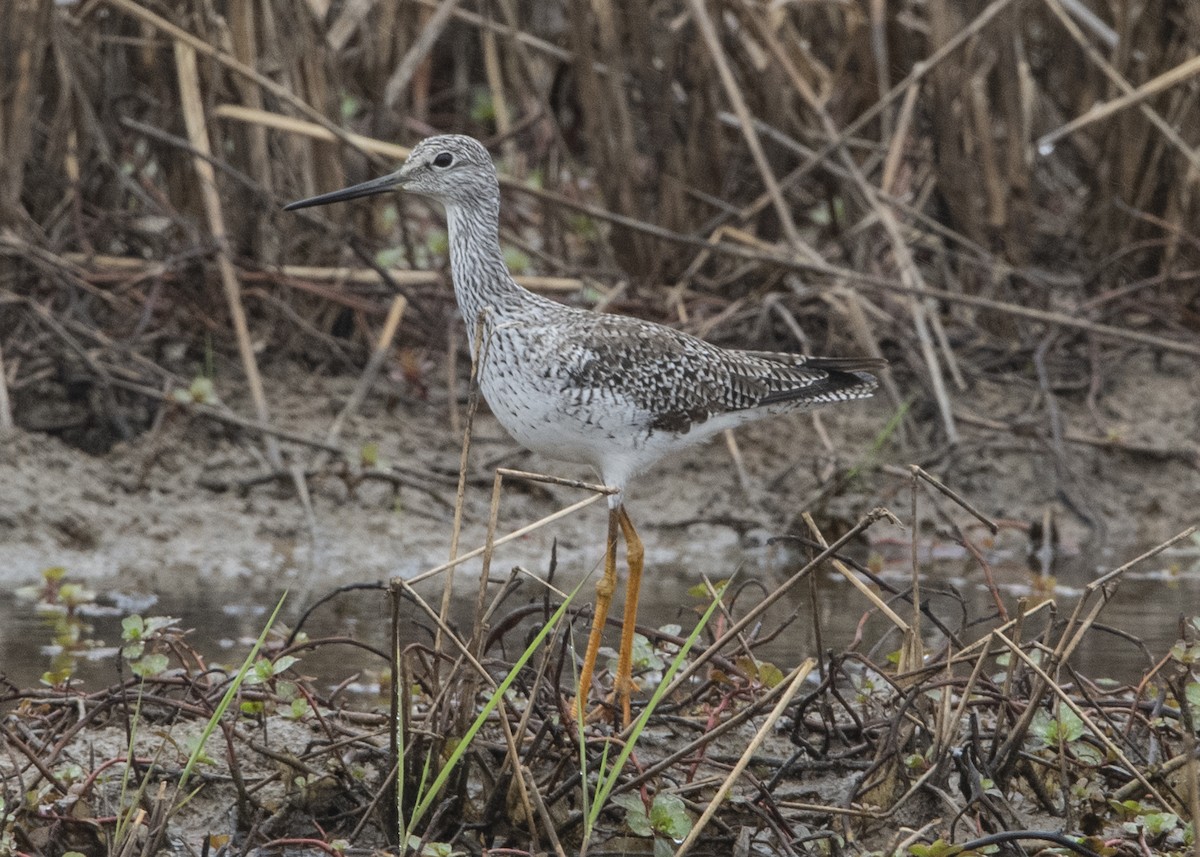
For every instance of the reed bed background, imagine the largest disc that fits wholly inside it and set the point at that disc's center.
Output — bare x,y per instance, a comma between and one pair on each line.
958,185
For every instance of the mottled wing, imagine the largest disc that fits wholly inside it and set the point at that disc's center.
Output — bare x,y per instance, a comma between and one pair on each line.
672,381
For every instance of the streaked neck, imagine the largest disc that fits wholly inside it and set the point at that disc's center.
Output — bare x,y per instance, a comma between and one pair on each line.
481,279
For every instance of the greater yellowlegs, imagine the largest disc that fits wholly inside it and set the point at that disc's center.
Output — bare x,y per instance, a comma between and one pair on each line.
614,392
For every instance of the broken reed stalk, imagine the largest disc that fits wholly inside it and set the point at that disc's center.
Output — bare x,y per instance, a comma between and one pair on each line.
192,105
992,527
479,352
6,418
793,683
383,346
490,541
854,580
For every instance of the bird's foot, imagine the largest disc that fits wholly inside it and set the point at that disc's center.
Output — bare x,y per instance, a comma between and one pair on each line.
621,692
606,711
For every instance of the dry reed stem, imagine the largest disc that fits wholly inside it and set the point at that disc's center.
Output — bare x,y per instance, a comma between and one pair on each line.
548,822
968,651
729,83
477,629
854,580
228,417
1094,56
88,265
919,71
734,630
316,130
383,345
508,537
6,418
417,53
910,274
181,36
1150,88
956,497
793,683
478,354
192,105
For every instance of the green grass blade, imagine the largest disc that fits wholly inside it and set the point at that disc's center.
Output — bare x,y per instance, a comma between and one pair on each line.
427,800
232,690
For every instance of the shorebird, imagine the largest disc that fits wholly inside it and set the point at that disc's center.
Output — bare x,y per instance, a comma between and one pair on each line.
614,392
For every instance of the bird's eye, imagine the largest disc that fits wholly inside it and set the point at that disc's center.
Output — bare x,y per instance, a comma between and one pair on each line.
444,159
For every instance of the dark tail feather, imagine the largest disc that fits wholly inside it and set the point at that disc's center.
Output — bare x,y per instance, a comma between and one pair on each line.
849,378
847,364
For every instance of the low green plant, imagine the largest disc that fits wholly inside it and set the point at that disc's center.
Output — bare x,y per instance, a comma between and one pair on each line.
1063,730
145,639
140,635
666,819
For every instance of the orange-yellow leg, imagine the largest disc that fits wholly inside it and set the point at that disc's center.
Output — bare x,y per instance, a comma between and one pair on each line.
634,555
604,593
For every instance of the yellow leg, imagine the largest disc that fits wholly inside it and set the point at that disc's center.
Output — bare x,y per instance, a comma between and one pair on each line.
634,555
604,593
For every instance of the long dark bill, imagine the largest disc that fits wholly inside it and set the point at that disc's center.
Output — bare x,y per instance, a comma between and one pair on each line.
369,188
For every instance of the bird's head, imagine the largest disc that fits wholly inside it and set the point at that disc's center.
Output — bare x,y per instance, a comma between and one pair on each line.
449,168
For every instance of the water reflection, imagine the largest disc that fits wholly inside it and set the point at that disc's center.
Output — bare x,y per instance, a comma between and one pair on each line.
1148,606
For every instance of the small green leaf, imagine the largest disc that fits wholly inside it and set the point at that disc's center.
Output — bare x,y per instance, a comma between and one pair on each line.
939,848
131,627
74,594
57,677
431,849
1192,694
635,814
262,671
1159,823
769,674
669,816
389,257
1088,754
149,665
192,745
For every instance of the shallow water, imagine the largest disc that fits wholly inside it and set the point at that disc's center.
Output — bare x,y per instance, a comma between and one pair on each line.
1148,605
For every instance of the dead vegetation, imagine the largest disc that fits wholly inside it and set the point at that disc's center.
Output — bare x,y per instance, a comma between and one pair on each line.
971,737
976,190
962,186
